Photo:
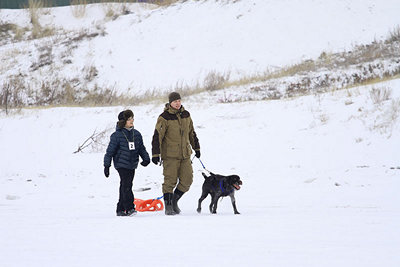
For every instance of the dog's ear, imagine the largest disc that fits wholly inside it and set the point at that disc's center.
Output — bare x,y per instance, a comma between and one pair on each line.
237,179
204,175
212,176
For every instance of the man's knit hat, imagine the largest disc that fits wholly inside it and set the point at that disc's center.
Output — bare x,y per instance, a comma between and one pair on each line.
123,116
173,96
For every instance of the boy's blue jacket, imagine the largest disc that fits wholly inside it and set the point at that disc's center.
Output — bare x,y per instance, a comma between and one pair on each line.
118,149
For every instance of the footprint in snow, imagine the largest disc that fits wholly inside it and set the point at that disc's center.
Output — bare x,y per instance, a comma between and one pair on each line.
309,181
11,197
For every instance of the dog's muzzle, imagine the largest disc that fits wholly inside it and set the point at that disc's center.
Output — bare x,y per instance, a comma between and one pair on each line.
237,185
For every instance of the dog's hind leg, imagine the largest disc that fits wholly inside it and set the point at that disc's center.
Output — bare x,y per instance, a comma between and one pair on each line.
212,202
203,196
233,200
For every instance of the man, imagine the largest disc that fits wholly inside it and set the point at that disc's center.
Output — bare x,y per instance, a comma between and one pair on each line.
173,141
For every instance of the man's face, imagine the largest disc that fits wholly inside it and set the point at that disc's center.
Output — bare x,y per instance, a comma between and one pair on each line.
176,104
129,123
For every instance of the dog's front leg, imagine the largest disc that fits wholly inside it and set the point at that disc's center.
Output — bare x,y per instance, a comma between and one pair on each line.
214,202
233,200
203,196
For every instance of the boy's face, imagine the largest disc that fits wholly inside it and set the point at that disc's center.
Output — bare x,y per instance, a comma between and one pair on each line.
129,122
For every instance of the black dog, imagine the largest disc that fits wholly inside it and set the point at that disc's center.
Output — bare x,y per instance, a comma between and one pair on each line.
219,186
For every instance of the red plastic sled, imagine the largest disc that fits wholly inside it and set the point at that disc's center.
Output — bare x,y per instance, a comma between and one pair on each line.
148,205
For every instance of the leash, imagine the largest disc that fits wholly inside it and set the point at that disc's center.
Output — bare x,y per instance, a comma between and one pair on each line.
201,164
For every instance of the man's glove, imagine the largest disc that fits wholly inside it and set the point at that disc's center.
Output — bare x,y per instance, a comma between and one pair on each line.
107,171
144,163
197,153
155,160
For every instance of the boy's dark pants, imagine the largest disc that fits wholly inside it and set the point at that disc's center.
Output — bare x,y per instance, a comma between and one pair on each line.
126,197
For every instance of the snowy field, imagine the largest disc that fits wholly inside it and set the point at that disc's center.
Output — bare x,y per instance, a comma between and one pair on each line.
320,173
320,187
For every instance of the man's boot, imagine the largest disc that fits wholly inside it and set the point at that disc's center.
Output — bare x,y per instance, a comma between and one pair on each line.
177,195
169,210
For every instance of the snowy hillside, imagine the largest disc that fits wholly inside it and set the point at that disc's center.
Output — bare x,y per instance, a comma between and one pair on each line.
134,48
319,163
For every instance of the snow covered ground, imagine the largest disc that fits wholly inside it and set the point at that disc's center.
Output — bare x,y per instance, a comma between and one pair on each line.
320,174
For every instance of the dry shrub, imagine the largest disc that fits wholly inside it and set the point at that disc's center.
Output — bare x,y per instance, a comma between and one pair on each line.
10,31
4,95
225,98
394,35
379,95
99,96
82,35
215,81
115,9
91,73
6,29
164,2
35,9
386,118
394,110
12,93
323,118
46,57
19,33
78,8
69,94
303,67
110,10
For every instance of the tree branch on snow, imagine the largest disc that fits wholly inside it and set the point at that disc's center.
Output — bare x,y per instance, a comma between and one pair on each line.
93,140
